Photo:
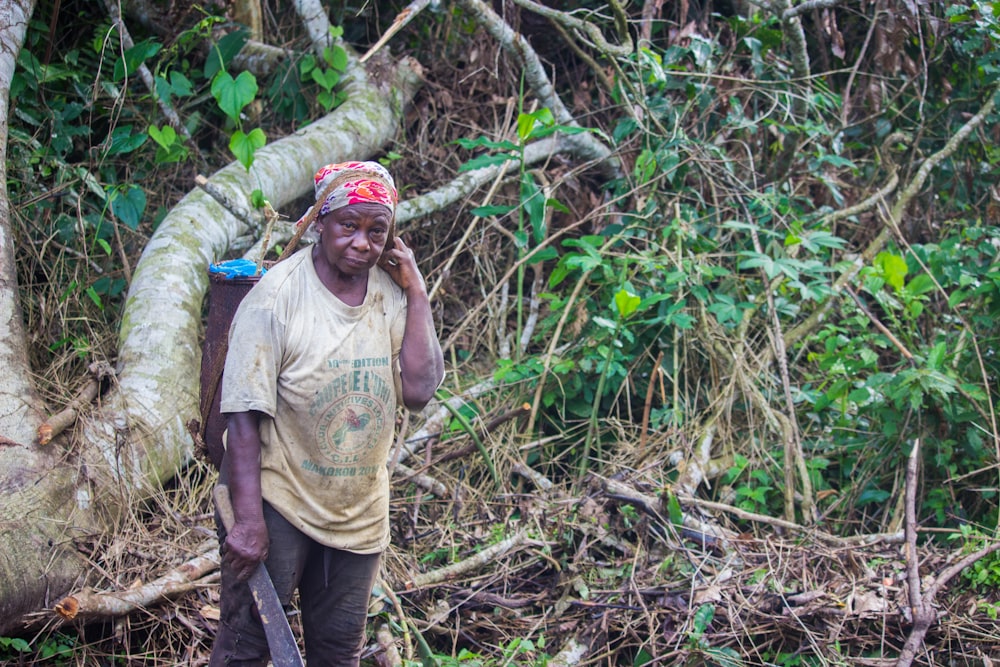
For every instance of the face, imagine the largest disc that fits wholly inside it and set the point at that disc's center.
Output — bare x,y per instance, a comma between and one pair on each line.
352,237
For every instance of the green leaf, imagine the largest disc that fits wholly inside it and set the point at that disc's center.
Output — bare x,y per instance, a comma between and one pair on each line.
702,618
642,658
873,497
326,79
674,511
335,57
257,199
244,146
526,122
756,260
645,166
234,94
892,267
165,137
128,203
325,99
123,141
485,161
626,302
554,203
483,142
534,205
937,356
95,297
133,58
544,255
487,211
604,322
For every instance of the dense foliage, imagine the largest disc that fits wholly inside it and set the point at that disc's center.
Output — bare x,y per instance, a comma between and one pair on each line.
799,268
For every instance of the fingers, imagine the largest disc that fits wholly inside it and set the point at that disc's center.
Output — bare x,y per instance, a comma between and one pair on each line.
242,566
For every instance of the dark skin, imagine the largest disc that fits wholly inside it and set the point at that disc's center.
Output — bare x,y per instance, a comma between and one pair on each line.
353,239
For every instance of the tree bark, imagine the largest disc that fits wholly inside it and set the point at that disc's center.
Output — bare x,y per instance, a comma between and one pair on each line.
28,535
138,437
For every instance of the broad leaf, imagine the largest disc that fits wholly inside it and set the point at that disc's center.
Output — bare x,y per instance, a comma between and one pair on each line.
234,94
244,146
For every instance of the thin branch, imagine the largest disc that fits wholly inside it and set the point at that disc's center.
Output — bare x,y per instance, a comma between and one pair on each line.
878,324
585,27
471,564
65,418
534,73
400,22
921,609
807,6
109,604
804,328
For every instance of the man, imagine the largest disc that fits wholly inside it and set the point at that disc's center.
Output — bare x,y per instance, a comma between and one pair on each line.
320,351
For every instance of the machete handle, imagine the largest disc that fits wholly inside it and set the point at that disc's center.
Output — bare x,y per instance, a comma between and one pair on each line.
224,504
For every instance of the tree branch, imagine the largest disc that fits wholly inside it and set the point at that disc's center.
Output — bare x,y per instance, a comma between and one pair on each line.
808,325
108,604
520,50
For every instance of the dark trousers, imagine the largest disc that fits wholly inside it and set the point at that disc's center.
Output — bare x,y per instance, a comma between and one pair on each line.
334,589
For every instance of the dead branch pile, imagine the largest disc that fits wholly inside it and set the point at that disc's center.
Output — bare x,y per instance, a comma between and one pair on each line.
603,570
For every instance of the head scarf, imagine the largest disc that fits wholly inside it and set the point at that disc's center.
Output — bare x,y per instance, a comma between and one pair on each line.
346,183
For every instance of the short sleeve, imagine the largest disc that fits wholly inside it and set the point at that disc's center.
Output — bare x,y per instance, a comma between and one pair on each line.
253,361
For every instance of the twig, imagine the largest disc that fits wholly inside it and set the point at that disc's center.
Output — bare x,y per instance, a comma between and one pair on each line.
585,27
387,643
470,564
572,653
424,481
650,10
654,507
797,333
534,72
400,22
182,579
316,22
647,406
923,612
66,417
537,478
403,620
878,324
239,212
794,457
808,5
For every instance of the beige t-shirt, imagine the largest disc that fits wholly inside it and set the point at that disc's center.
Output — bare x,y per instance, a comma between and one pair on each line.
326,376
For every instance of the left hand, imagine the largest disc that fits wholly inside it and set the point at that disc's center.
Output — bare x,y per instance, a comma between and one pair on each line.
401,265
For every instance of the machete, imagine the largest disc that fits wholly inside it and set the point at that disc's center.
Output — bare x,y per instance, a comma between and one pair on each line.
281,641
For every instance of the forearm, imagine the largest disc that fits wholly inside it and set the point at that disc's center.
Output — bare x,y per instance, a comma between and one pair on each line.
243,466
420,359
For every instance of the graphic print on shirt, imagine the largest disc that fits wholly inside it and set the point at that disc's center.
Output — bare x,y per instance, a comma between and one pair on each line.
351,414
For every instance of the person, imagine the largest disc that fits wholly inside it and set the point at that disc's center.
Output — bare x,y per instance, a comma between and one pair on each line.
321,350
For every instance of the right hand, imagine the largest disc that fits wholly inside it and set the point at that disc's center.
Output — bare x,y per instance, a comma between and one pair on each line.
246,547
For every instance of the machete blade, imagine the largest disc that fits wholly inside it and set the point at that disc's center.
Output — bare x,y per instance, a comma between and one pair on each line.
281,641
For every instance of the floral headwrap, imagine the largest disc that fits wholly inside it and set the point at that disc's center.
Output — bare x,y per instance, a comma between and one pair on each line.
349,183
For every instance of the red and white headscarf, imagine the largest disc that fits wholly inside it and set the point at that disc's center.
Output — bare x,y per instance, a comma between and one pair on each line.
354,183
